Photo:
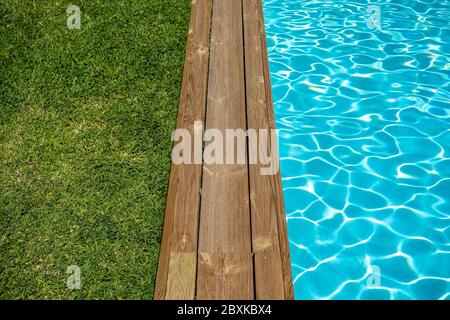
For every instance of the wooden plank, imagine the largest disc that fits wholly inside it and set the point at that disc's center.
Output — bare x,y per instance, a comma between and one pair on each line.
225,276
276,183
225,238
266,247
181,277
176,276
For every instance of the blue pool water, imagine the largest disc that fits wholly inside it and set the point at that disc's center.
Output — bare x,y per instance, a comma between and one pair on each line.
364,118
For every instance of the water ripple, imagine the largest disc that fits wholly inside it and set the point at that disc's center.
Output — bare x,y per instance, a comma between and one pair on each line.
364,118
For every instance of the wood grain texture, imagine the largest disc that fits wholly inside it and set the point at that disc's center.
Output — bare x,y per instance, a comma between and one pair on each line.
276,187
225,234
182,273
264,200
180,234
225,276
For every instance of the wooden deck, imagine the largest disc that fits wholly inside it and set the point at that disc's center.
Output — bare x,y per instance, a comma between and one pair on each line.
224,232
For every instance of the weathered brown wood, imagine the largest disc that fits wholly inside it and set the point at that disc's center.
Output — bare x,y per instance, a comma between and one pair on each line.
276,186
181,279
264,204
176,277
225,276
240,248
225,235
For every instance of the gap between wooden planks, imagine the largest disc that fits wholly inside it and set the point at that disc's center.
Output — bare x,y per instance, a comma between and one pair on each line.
225,231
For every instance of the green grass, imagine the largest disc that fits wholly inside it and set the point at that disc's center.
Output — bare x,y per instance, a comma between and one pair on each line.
85,123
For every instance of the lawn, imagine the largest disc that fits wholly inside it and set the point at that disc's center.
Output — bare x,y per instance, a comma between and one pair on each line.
85,123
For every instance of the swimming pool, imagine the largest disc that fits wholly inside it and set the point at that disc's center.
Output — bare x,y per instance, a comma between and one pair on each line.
361,98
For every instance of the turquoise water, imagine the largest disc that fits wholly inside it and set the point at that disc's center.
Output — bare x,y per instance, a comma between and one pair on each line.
364,118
